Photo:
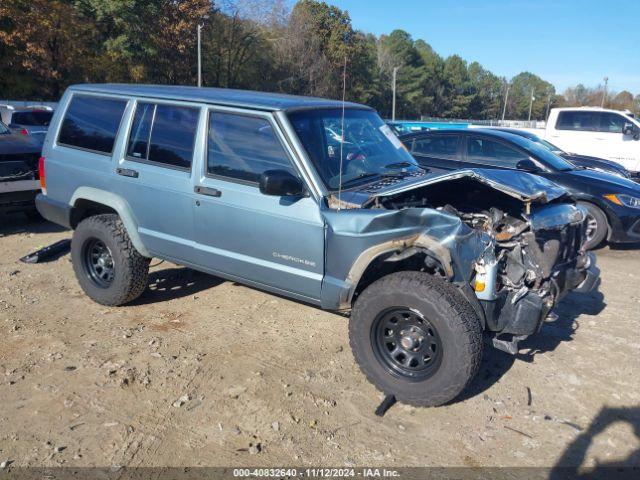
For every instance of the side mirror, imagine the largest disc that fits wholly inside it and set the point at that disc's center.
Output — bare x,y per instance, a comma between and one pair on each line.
527,166
632,130
280,183
628,129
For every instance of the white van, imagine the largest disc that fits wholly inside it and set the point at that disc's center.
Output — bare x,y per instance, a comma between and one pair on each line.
598,132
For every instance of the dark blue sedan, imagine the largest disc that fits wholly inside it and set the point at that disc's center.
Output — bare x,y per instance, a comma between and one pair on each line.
592,163
613,202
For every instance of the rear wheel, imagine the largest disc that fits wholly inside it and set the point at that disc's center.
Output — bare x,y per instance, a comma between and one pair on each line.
416,337
108,267
597,226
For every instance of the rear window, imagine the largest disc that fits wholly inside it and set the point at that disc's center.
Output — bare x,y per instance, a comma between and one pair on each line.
32,119
92,123
163,134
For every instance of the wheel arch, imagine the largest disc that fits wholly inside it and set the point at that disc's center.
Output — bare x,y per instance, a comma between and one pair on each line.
87,201
421,253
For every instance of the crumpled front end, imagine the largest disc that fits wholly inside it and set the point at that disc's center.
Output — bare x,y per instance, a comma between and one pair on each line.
537,261
513,257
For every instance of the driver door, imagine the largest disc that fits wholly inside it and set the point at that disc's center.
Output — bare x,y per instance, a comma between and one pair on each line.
275,243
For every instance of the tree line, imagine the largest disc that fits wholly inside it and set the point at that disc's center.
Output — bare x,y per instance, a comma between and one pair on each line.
309,49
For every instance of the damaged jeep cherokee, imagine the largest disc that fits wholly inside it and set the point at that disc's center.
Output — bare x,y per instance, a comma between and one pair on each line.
315,200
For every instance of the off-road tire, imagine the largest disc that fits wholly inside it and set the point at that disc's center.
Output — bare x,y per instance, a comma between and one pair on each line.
602,229
130,268
448,312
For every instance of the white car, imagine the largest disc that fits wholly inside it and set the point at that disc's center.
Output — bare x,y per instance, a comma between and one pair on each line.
598,132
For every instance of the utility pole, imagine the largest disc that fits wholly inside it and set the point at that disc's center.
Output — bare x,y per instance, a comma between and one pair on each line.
199,56
604,93
200,25
531,103
393,102
506,99
546,116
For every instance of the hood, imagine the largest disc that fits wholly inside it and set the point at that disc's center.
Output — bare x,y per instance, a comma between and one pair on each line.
594,162
520,185
13,143
606,181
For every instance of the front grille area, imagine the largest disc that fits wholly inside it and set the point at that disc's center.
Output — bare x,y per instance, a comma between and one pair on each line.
571,237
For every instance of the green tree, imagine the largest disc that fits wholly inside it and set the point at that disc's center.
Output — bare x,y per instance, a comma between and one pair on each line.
522,87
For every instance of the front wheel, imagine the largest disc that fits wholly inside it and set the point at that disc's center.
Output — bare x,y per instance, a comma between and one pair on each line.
416,337
597,227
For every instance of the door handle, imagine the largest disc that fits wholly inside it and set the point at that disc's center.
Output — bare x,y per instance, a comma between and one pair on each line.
127,172
208,191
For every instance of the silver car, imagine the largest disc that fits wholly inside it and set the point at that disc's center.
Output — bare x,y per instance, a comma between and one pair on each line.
31,120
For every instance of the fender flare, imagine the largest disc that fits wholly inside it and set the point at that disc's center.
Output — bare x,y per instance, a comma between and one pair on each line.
123,209
422,242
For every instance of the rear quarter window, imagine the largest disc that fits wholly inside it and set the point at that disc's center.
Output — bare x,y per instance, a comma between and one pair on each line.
92,123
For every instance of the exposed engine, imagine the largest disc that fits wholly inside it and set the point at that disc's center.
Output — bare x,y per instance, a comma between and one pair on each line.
536,249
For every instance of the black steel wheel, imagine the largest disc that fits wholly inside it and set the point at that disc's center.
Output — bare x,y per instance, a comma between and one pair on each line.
98,263
108,267
417,337
407,343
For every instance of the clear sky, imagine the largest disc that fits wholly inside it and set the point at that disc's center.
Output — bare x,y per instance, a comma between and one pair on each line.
566,42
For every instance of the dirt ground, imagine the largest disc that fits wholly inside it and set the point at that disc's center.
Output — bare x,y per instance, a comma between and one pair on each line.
201,371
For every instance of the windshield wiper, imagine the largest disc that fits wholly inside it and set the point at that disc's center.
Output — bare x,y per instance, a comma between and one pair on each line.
405,164
400,165
360,177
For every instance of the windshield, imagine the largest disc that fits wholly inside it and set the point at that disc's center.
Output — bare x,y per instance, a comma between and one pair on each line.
545,154
3,130
370,149
549,146
634,120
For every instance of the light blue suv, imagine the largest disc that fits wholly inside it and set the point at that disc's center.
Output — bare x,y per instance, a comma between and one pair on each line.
318,201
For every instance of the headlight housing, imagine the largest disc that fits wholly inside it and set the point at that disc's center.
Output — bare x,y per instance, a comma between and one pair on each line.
623,199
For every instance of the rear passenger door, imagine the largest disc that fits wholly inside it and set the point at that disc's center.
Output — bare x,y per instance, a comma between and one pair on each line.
154,175
439,151
272,242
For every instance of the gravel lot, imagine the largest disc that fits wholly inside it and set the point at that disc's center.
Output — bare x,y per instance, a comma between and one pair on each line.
201,371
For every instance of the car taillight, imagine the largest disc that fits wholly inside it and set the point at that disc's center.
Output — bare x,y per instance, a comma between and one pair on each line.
24,132
41,174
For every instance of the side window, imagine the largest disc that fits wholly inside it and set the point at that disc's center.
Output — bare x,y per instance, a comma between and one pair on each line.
490,152
92,123
163,134
577,120
243,147
611,122
441,146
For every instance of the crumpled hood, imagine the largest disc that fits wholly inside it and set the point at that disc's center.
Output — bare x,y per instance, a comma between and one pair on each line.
521,185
